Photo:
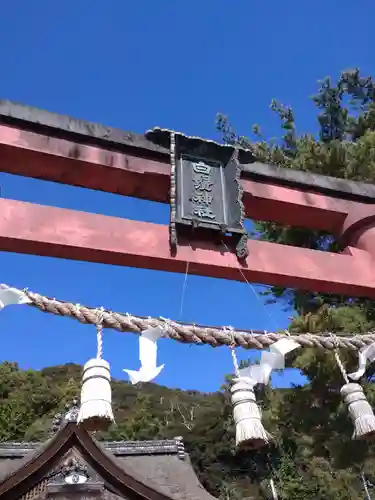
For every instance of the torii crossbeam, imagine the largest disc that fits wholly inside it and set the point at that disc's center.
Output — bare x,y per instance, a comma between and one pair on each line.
43,145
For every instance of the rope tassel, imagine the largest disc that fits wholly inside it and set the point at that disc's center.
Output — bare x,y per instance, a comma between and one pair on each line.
360,411
95,413
247,416
359,408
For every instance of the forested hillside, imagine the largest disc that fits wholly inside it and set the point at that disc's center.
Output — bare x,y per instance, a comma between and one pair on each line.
312,455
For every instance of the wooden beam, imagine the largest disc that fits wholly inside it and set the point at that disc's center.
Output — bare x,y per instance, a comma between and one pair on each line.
59,160
43,157
38,230
362,192
77,130
293,207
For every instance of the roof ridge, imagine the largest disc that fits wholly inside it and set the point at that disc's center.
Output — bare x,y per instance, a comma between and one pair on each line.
146,447
121,447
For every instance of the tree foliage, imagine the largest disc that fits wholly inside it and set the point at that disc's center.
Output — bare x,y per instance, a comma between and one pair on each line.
319,459
343,147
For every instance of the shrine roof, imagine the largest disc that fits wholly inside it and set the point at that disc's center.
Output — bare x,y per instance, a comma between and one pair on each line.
154,146
157,470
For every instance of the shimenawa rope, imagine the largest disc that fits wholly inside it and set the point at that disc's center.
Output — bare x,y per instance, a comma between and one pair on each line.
191,333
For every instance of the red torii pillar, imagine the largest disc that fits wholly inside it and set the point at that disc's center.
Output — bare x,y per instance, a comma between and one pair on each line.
43,145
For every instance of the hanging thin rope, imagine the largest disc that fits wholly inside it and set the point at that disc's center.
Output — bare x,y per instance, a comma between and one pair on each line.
99,334
252,289
184,289
233,352
193,333
365,487
340,364
273,490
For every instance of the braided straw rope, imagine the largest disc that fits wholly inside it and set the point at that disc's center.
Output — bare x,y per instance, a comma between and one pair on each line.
189,333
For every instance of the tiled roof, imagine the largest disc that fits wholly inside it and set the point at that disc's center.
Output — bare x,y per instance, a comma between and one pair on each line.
14,456
171,476
162,465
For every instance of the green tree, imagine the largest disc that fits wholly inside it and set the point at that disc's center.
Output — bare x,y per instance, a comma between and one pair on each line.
312,424
142,424
344,147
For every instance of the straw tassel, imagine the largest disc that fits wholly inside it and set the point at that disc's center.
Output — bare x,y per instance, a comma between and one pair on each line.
95,413
359,408
360,411
247,415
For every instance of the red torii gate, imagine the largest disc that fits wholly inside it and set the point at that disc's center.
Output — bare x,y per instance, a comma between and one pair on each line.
43,145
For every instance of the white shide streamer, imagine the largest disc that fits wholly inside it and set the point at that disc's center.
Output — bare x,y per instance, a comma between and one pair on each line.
365,355
147,355
10,296
247,415
274,359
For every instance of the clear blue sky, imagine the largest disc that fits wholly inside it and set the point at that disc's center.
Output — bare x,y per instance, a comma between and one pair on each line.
175,64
